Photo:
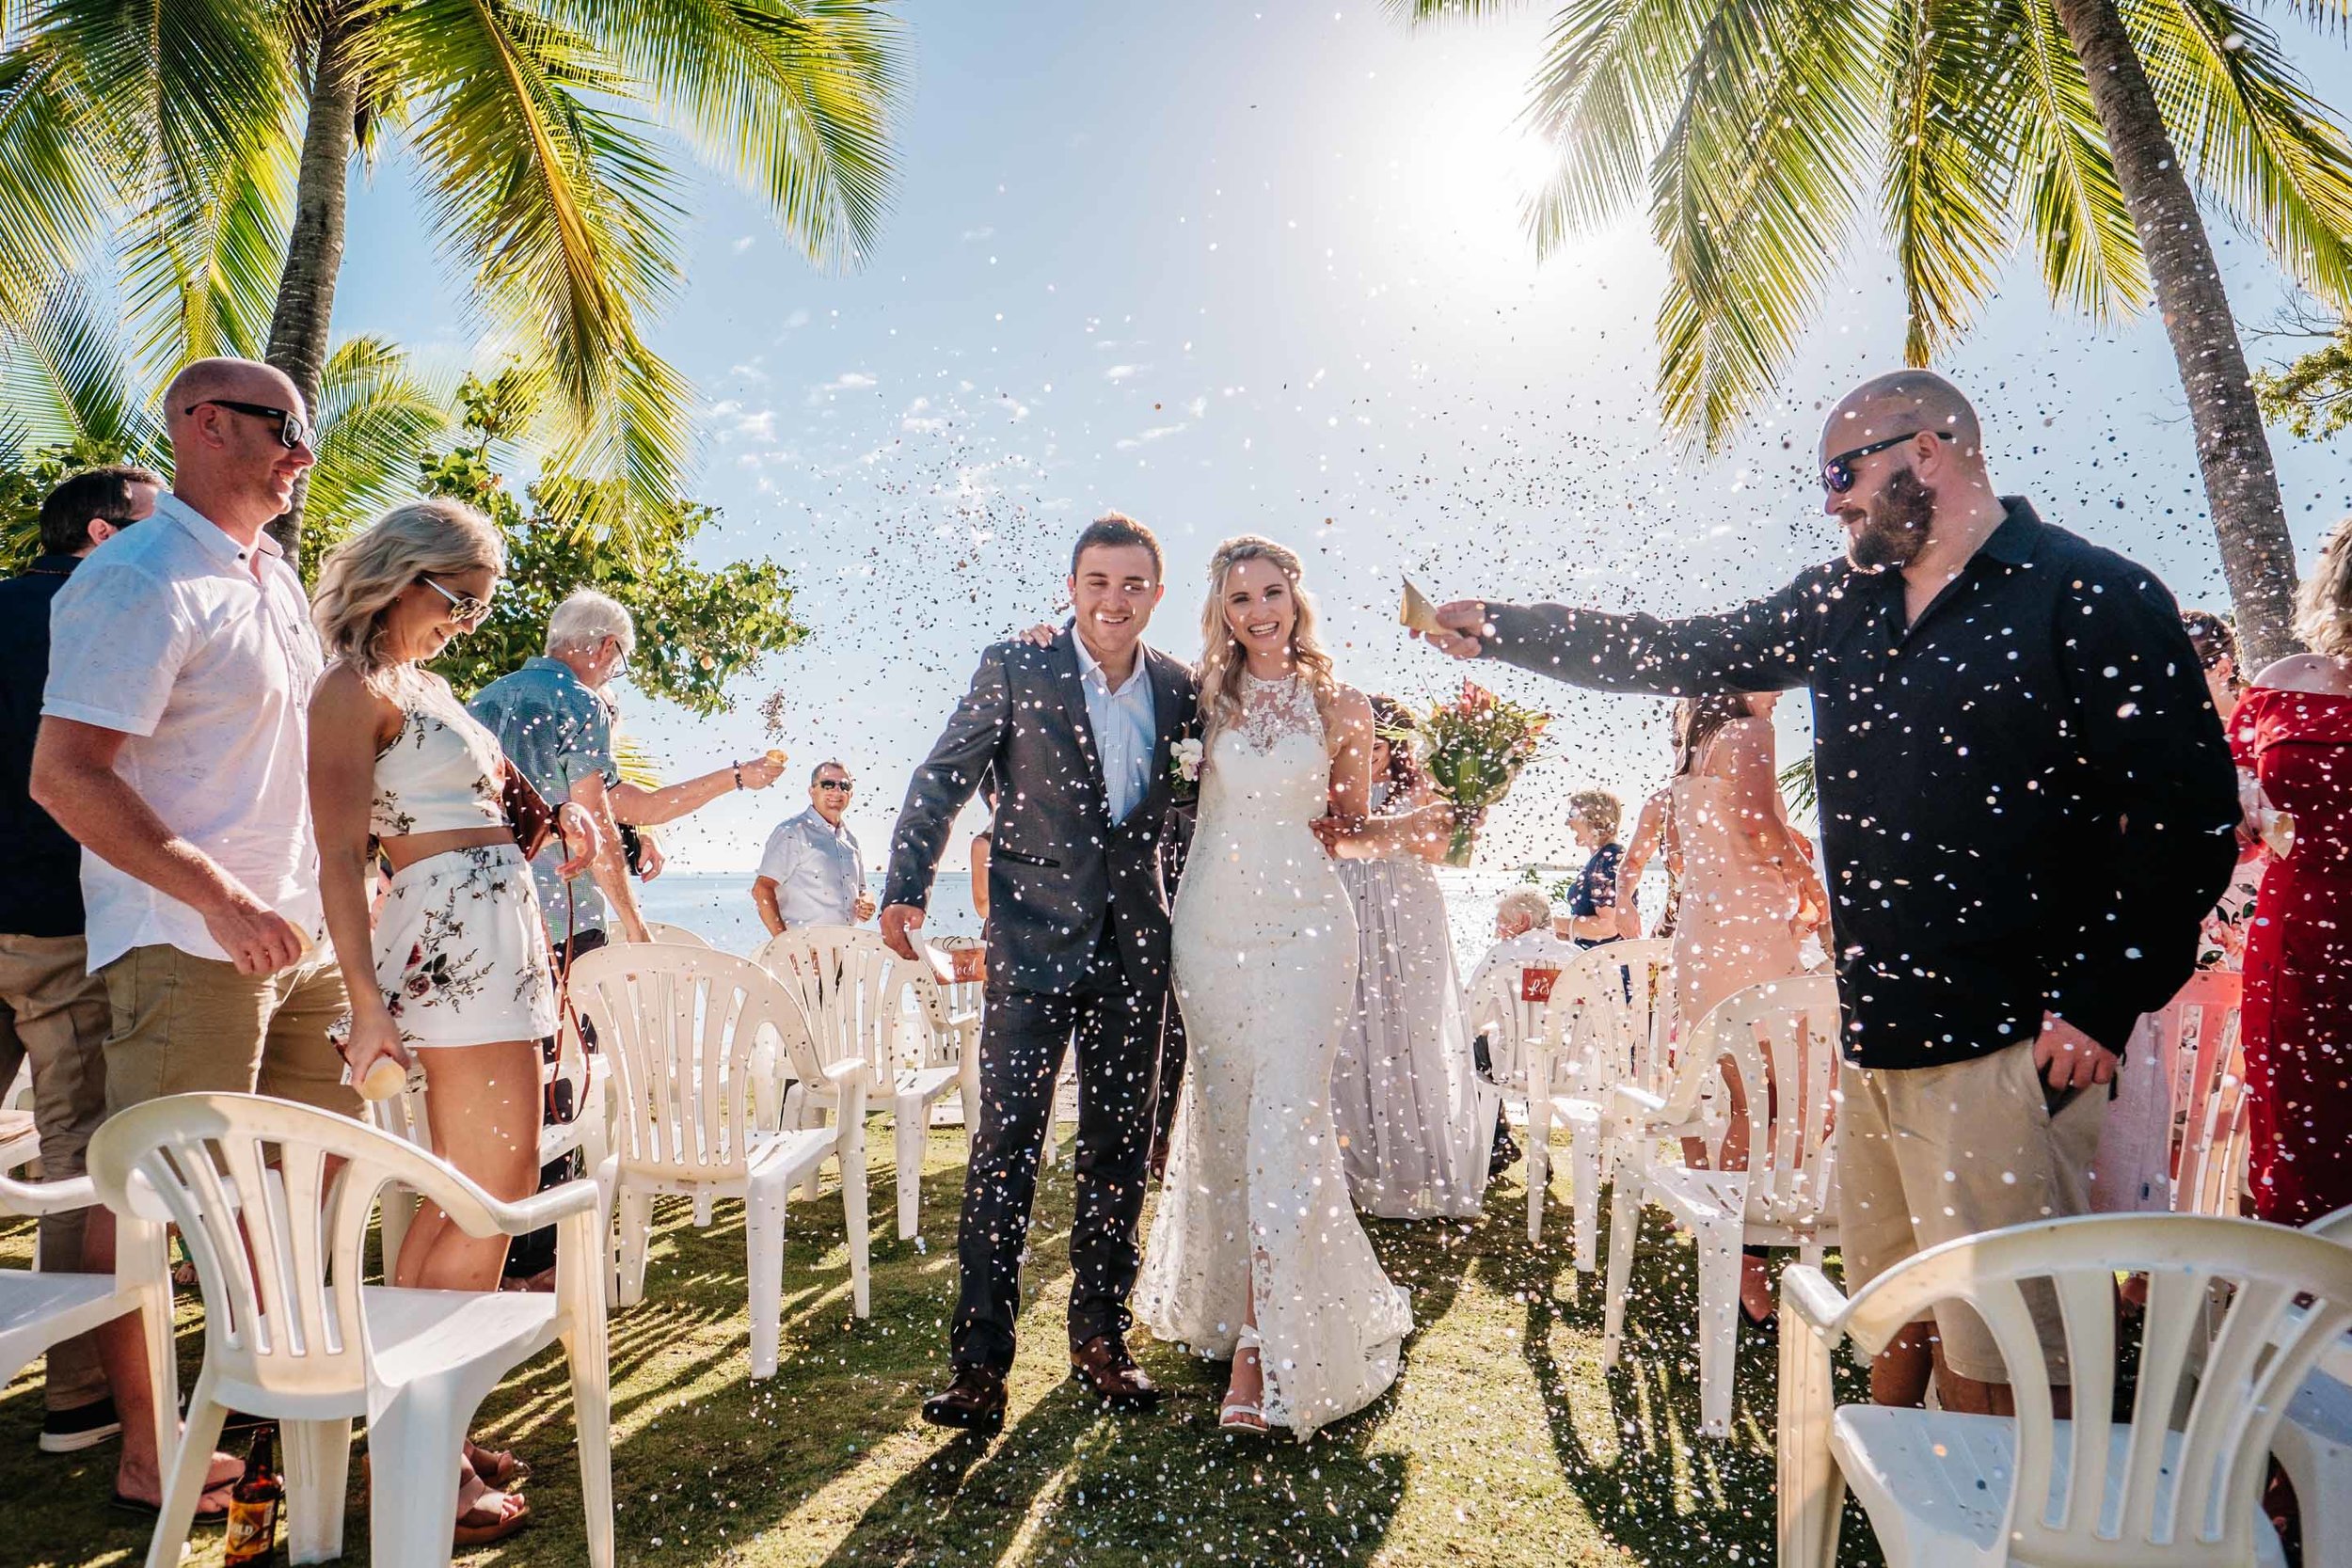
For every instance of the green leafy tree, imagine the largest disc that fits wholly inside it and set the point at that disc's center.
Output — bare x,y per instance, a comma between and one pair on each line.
696,628
1754,130
71,398
2312,395
209,145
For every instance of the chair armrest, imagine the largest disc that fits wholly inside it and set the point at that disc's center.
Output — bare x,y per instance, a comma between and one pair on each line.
848,1077
541,1210
1806,1292
1634,1106
47,1198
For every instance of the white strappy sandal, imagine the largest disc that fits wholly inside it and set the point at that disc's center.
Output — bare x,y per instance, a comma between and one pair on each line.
1241,1414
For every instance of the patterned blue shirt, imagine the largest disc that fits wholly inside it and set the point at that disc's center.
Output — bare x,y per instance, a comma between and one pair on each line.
556,732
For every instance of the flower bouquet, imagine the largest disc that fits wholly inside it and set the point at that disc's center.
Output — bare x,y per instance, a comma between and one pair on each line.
1476,746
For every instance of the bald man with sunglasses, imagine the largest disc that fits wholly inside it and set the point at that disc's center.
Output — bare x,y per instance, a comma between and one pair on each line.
2027,808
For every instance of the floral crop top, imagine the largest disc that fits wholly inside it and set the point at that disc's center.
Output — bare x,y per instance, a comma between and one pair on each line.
440,772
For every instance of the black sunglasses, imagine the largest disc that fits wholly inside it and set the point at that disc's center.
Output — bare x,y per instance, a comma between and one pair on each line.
291,429
1837,473
842,785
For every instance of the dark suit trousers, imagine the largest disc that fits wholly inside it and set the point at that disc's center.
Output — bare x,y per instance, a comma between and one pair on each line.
1116,1024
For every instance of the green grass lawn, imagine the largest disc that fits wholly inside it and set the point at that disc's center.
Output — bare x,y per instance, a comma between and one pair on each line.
1505,1442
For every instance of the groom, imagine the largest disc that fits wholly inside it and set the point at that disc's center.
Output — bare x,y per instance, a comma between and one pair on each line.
1077,737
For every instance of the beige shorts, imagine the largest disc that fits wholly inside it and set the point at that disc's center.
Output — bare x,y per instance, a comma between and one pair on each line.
1927,1155
184,1025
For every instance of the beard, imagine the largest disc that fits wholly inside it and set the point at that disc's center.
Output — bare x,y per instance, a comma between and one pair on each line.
1896,526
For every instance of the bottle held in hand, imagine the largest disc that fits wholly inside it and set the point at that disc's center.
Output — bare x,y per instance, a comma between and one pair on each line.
253,1504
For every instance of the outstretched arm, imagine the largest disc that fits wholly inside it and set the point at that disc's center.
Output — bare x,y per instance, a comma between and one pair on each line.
1764,645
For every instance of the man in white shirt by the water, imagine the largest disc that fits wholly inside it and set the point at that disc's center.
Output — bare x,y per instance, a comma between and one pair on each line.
174,748
812,872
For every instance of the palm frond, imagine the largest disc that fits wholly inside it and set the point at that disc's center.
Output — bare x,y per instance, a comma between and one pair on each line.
1605,94
56,193
209,289
1419,11
1752,197
378,419
1951,160
565,207
2255,136
792,98
623,463
66,378
2073,209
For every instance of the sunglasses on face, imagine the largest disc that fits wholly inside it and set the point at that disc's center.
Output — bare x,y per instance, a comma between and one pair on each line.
842,786
291,429
467,610
1837,473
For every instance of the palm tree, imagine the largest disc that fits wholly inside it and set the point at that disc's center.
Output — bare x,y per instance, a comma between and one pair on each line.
208,144
72,395
1752,127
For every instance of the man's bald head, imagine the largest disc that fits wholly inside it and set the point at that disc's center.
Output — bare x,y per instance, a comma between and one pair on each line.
240,380
1898,404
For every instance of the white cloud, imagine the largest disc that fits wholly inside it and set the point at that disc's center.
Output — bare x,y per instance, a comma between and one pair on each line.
745,244
984,232
848,381
1157,432
1120,372
918,417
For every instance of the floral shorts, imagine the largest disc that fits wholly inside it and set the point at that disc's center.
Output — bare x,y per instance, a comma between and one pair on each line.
460,953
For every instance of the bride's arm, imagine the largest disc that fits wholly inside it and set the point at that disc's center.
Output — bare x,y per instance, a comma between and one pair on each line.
1351,832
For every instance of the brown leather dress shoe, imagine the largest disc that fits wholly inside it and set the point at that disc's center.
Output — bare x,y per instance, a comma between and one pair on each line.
974,1402
1111,1375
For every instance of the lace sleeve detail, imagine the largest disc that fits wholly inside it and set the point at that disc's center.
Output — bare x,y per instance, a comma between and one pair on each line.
1272,709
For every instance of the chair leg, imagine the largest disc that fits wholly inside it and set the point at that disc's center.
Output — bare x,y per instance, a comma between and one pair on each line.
318,1477
636,1228
855,1223
1584,1172
1625,1221
395,1210
812,1115
184,1477
1811,1490
1718,1266
592,1412
763,1232
1538,1163
414,1448
910,1119
2312,1448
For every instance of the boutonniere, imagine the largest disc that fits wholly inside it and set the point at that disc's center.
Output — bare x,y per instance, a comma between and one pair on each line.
1184,767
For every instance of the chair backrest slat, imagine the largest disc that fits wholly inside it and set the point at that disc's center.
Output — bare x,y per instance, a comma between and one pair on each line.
1782,1039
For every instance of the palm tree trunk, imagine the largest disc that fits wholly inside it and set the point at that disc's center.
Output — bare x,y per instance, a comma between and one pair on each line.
2241,485
315,250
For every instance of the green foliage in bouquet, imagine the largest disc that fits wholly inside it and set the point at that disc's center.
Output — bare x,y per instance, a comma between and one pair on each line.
1474,747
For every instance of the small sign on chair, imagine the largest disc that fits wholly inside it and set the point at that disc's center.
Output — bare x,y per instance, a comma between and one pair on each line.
1536,984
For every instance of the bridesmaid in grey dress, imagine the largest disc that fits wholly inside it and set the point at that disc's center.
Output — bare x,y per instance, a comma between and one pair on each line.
1405,1092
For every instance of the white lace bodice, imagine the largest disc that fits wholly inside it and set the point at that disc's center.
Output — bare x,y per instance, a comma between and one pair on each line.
1268,769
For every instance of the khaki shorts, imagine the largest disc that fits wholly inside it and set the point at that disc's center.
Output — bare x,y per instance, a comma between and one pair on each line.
184,1025
1927,1155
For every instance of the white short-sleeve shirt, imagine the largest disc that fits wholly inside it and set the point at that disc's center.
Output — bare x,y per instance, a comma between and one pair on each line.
168,634
818,870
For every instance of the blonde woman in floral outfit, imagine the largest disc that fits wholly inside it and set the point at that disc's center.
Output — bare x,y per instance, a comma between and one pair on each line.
399,767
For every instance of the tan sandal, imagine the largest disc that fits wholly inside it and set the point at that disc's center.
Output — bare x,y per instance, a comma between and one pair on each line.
487,1522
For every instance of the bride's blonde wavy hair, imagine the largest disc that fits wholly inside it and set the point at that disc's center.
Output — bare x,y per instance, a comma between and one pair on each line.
1222,661
363,575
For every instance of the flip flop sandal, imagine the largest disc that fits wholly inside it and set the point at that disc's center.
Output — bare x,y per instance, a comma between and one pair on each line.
204,1518
480,1526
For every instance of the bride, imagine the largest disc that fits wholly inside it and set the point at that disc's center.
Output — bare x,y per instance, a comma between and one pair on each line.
1256,1253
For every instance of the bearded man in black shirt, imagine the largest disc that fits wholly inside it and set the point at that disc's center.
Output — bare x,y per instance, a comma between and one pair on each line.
2027,805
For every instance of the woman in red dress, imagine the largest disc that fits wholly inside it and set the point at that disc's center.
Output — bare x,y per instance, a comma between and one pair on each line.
2294,732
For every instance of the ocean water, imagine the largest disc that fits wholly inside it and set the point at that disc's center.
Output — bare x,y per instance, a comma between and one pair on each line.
717,906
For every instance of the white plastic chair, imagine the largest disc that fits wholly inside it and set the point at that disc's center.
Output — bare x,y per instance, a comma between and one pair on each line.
675,936
680,1025
291,1332
856,991
20,1139
2314,1443
404,1115
1944,1488
1785,1198
1611,1018
950,1015
2209,1142
39,1310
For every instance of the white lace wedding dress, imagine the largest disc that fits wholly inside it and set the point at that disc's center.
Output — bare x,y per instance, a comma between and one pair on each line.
1255,1197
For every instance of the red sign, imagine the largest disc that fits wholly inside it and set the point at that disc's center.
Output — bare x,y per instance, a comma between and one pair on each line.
1536,984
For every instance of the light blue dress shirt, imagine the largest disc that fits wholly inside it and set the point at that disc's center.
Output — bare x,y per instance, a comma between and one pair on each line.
1125,728
818,868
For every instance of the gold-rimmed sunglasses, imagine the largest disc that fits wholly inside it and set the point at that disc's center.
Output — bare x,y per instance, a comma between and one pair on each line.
464,608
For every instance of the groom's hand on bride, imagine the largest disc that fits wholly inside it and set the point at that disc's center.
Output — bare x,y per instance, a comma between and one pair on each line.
1465,623
899,922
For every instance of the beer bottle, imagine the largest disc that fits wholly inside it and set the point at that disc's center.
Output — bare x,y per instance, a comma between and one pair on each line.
253,1504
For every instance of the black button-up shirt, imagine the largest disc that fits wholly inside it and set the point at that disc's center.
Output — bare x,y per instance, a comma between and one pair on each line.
40,866
2026,801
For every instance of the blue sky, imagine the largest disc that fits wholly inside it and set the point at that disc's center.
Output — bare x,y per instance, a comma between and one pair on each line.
1240,268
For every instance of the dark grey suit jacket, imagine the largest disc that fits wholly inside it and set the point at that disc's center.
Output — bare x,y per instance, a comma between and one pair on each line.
1058,869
